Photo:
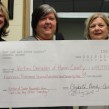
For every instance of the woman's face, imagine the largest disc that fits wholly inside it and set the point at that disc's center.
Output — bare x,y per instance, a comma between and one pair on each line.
98,29
46,27
2,19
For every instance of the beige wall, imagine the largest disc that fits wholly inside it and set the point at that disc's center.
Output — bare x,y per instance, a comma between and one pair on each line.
16,25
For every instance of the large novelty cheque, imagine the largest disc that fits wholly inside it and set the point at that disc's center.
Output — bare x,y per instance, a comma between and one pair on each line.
54,73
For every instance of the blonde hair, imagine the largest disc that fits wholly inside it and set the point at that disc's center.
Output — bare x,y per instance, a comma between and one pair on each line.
91,19
4,31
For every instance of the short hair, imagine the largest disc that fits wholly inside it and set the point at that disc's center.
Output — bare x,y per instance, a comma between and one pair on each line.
39,12
4,31
91,19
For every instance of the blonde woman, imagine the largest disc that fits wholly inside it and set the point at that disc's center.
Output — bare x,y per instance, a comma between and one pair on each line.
97,27
4,22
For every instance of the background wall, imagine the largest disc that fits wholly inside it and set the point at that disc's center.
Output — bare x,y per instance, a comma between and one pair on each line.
72,29
16,25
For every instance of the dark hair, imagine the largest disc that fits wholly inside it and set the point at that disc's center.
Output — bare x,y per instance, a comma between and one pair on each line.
39,12
3,30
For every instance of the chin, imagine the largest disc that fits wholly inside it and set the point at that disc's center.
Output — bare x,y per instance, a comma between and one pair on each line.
99,37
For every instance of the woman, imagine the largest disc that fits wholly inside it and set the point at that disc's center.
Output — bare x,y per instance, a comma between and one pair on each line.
4,22
45,27
45,24
97,27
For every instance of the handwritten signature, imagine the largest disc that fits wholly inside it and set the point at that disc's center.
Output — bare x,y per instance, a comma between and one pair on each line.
86,89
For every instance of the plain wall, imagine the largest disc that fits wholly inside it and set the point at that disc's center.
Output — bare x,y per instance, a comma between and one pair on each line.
72,29
16,24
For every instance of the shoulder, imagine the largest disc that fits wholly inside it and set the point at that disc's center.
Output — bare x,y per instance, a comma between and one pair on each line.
59,36
30,38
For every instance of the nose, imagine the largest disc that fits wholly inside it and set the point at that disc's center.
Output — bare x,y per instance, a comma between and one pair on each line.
47,20
97,27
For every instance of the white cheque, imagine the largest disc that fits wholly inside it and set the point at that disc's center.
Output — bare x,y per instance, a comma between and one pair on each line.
54,73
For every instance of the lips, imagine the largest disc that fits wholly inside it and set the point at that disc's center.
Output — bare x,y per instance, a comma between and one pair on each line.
97,33
1,21
47,27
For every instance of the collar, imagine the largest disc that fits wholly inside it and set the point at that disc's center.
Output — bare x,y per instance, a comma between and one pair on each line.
54,37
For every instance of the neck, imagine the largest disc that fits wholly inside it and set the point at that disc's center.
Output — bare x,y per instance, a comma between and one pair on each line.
39,38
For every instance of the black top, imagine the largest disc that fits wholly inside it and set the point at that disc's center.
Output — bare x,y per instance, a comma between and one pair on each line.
59,36
1,39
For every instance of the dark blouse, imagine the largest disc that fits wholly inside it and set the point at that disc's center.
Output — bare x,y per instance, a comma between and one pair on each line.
1,39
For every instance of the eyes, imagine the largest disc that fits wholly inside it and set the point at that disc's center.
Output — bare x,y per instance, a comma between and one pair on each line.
98,25
52,18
